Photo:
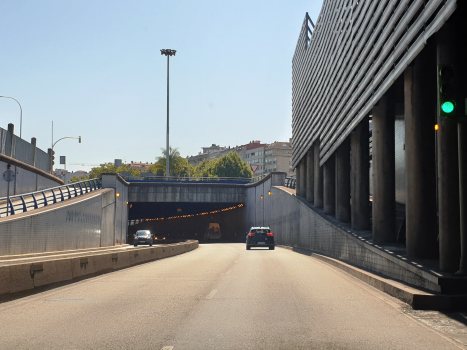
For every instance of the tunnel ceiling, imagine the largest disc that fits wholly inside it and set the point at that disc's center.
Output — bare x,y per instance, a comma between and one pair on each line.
141,210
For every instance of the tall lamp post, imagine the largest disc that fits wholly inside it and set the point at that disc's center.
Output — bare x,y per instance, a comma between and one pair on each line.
168,53
20,116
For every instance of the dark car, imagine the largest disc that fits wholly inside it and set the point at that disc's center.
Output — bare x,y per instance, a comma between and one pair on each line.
143,237
260,237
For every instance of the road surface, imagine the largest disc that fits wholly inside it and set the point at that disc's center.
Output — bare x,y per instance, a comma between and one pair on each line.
221,296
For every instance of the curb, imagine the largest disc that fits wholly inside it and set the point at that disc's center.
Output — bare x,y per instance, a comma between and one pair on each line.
418,299
15,280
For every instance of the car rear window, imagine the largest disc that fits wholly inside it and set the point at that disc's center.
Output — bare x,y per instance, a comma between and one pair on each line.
260,231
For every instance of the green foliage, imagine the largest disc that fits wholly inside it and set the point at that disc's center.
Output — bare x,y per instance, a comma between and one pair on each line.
78,178
178,165
109,168
230,165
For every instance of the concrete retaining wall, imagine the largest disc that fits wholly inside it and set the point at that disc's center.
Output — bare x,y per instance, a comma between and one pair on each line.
28,178
21,150
28,276
83,222
297,225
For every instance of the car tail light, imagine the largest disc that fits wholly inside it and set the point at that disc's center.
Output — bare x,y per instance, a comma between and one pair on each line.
270,234
251,234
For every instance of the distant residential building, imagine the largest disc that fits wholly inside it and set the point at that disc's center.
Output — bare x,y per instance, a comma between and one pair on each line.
253,154
66,176
278,157
143,167
261,157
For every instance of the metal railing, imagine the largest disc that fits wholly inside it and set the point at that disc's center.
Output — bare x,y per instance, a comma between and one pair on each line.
192,179
34,200
290,182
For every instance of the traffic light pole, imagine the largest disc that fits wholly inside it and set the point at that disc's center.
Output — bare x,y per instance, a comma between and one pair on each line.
452,136
462,134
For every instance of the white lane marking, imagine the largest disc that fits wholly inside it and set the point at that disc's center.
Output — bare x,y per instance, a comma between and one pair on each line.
167,348
210,295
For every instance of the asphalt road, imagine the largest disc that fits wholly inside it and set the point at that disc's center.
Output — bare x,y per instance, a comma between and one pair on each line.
221,296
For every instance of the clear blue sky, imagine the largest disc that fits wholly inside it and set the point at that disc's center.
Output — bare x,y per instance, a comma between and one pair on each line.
94,67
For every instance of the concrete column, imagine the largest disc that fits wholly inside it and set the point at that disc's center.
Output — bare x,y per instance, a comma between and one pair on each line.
384,188
33,143
297,180
318,178
310,162
329,190
303,183
343,182
10,143
462,138
420,161
360,176
448,169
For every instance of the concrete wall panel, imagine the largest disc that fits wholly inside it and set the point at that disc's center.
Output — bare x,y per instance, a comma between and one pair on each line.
296,224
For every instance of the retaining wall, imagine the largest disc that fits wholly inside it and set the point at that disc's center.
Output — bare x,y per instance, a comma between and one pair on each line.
87,221
297,225
28,178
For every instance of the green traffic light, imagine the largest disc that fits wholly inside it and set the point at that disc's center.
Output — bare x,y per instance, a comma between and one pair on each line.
447,107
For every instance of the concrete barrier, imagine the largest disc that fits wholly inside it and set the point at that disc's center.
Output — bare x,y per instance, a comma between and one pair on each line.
28,276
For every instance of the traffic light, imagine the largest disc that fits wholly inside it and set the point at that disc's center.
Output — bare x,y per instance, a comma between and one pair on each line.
53,158
447,101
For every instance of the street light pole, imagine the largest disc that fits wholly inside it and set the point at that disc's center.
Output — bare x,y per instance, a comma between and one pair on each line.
168,53
20,116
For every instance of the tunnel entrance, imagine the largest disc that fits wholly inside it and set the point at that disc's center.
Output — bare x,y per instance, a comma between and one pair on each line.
180,221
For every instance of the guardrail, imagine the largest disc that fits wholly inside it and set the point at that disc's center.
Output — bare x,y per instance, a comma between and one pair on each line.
33,200
290,182
234,180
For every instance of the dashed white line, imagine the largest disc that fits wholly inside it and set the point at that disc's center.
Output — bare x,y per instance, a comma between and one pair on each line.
210,295
167,348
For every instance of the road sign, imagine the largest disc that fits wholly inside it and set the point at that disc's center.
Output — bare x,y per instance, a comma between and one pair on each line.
9,175
62,160
254,167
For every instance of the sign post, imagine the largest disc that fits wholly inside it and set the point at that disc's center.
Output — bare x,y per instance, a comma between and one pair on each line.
9,175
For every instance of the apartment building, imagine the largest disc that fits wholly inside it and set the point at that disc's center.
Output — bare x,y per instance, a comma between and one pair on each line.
278,157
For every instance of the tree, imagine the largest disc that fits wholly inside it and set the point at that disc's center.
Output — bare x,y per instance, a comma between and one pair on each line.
231,165
109,168
178,165
78,178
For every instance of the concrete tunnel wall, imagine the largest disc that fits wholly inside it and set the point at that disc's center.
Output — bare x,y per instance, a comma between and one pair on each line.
296,224
96,219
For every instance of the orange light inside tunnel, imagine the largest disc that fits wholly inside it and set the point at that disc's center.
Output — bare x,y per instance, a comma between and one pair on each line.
436,127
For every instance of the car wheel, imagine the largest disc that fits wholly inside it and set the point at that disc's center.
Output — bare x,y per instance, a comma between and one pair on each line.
135,245
271,248
248,247
150,244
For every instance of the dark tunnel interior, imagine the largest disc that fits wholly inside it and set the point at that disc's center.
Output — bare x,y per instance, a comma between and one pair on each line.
180,221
